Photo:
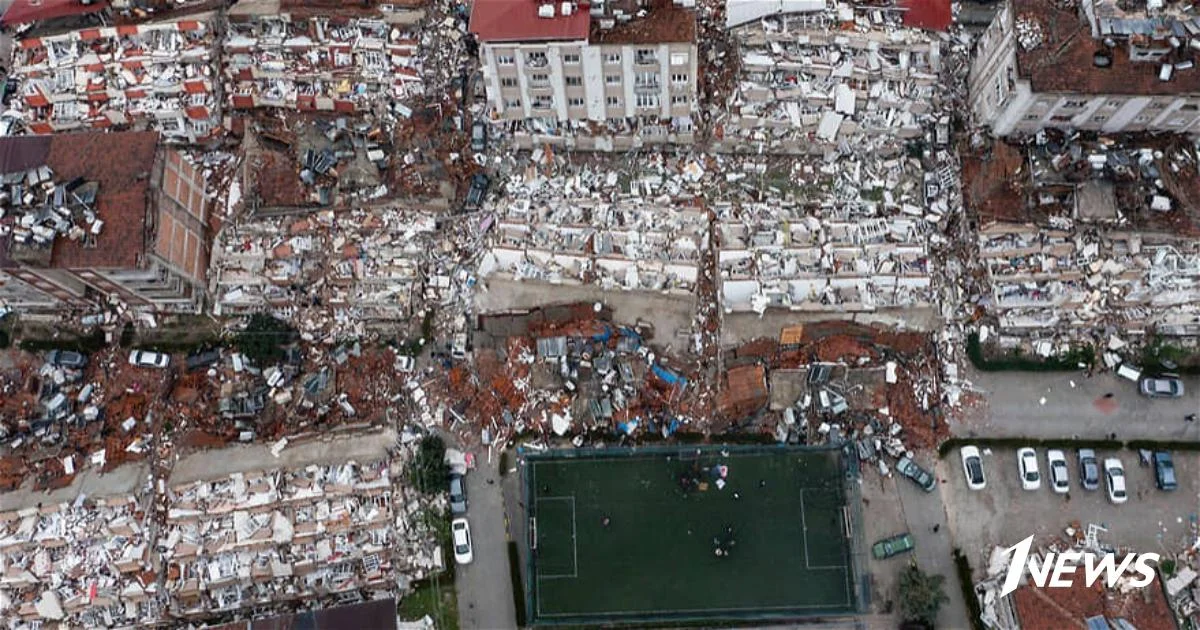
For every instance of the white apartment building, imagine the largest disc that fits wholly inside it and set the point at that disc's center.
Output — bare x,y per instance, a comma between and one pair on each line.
605,75
1096,67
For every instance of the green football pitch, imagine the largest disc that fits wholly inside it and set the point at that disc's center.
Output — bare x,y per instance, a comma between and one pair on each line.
633,536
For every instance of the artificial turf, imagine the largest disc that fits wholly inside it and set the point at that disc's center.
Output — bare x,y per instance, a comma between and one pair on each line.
655,556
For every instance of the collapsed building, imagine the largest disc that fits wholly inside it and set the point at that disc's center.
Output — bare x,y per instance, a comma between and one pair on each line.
1089,234
159,74
367,267
856,239
80,228
815,74
1099,65
345,64
630,244
619,74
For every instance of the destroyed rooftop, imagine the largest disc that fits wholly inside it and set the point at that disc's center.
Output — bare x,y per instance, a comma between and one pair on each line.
120,200
1062,57
659,21
1058,608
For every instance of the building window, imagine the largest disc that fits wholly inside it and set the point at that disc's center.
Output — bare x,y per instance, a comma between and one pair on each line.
542,102
512,103
505,60
612,101
679,100
613,79
508,82
575,102
536,59
647,100
539,80
1099,119
1141,119
571,59
574,81
646,80
679,59
645,56
1073,104
1032,117
1178,122
1189,107
1112,103
1061,119
1157,105
612,58
679,78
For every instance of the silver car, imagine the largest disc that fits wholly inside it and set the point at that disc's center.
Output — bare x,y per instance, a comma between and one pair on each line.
1161,386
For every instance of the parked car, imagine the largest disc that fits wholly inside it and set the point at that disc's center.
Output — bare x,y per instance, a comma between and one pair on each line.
1060,480
973,467
920,476
478,136
1166,386
894,546
1114,475
67,359
462,541
1027,466
458,494
1164,471
1089,469
202,359
147,358
477,192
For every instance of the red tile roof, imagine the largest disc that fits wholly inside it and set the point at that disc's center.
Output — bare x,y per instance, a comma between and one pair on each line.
25,11
934,15
1064,61
517,20
121,163
1065,608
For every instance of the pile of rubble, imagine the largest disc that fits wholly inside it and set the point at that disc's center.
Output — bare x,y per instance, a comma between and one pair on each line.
252,540
1097,234
836,74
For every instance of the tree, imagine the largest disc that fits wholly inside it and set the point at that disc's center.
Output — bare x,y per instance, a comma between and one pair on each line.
264,338
429,468
921,595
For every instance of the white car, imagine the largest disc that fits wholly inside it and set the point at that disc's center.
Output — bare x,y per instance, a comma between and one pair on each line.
1114,477
462,541
1059,479
973,467
147,358
1027,465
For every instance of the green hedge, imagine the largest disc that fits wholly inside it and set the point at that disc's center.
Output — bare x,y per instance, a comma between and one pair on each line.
951,444
88,344
963,568
518,587
1016,362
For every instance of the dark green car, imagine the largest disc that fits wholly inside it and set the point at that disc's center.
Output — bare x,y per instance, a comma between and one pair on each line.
893,546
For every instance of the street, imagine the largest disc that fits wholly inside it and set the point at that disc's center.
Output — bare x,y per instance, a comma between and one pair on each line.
1075,405
485,600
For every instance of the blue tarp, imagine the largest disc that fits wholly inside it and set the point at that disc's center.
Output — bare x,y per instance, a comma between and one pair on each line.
628,427
670,377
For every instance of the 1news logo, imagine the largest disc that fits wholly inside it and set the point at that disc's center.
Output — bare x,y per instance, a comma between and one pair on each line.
1056,568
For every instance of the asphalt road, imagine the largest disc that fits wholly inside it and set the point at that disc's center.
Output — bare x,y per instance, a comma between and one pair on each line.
1063,405
485,600
933,551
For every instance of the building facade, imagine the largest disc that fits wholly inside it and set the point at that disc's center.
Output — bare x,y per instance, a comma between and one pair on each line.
1094,68
565,68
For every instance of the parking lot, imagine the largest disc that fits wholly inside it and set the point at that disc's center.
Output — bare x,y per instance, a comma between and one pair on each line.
1003,513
